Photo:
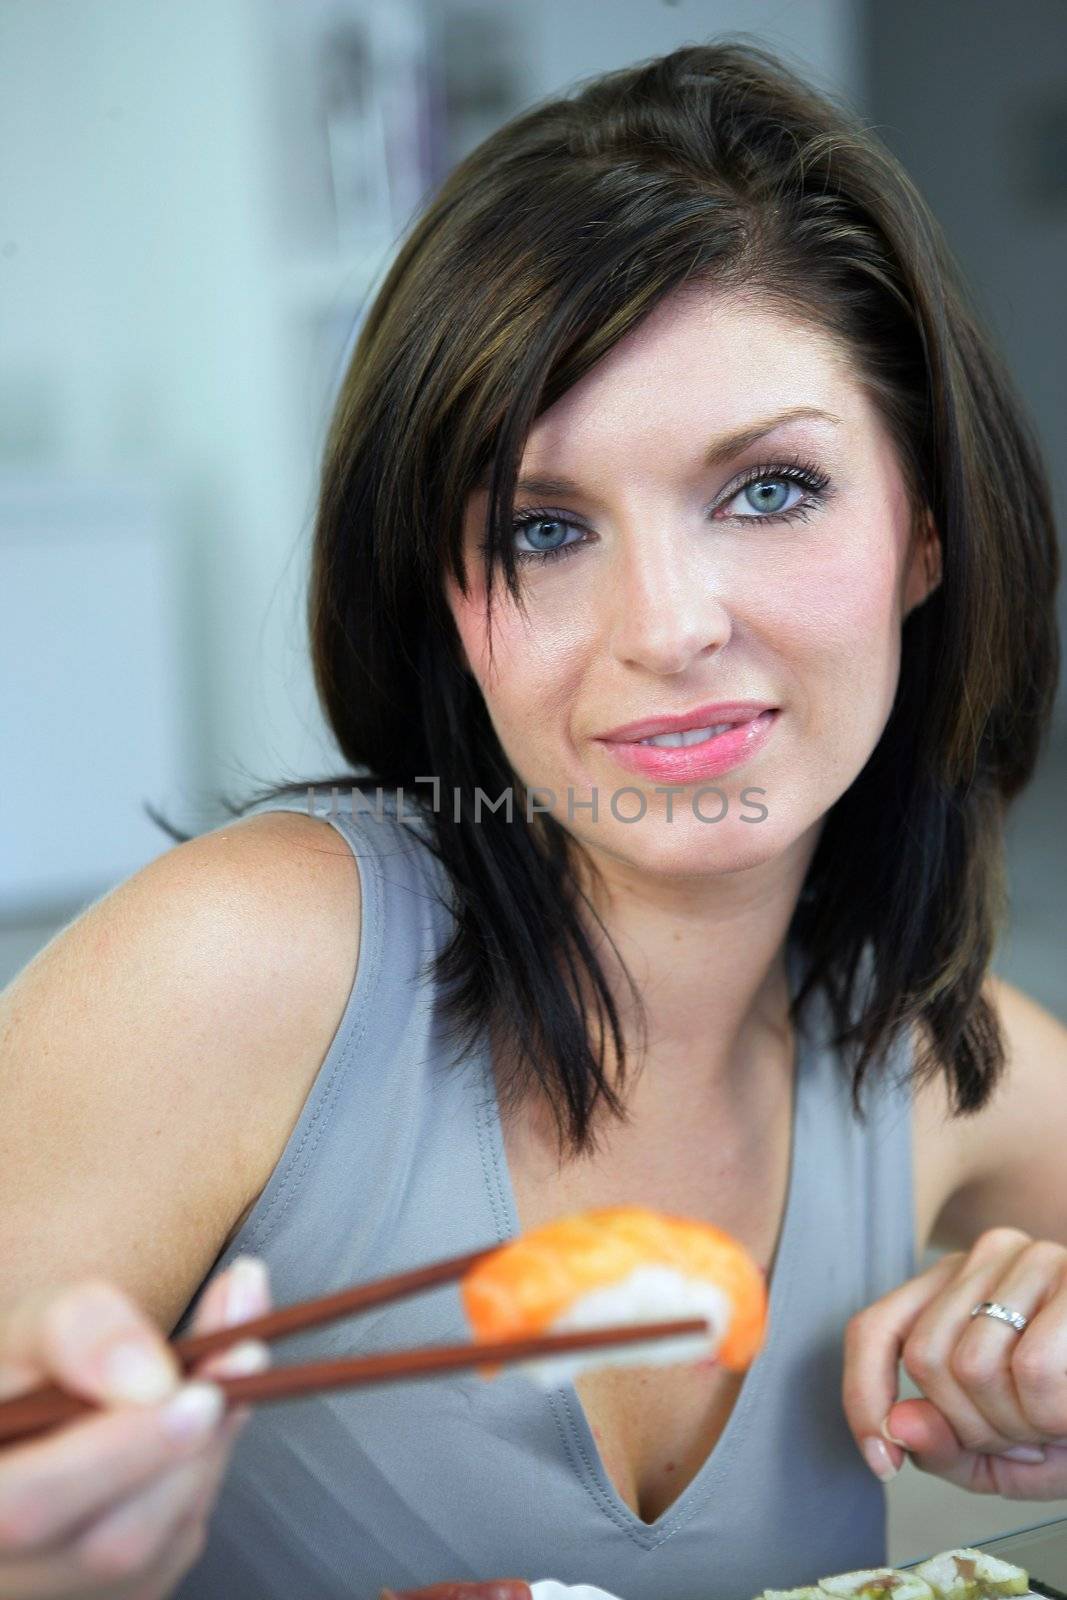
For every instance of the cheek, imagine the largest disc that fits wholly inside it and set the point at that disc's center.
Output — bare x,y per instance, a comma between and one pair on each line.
837,622
534,665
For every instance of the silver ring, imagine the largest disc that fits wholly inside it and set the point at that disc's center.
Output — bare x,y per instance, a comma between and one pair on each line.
993,1308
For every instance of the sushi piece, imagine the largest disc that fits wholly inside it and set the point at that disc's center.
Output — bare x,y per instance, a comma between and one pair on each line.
967,1574
805,1592
877,1583
620,1265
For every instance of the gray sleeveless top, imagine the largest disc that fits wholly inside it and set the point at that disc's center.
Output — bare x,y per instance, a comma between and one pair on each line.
398,1159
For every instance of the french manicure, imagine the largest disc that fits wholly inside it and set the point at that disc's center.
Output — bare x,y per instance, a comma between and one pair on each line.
193,1412
898,1442
1024,1452
877,1457
133,1373
251,1355
247,1293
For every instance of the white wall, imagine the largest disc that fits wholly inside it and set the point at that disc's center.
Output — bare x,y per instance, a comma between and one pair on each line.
139,325
570,39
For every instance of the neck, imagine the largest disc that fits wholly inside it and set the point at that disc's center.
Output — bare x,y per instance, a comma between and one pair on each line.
708,958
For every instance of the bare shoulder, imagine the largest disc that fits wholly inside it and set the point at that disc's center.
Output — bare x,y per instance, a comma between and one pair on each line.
969,1174
155,1055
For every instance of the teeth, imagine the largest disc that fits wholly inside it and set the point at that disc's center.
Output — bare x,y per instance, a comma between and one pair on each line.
673,741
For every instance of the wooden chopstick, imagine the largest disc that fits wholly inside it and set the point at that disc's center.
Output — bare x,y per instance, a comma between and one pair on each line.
50,1403
328,1307
29,1415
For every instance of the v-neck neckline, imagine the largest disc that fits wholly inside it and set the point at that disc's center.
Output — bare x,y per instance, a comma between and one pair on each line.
582,1449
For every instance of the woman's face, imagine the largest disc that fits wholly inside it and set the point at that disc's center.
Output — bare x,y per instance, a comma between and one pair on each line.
736,528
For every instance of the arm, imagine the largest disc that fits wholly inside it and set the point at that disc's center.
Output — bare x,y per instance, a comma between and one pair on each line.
1011,1158
144,1058
155,1055
994,1414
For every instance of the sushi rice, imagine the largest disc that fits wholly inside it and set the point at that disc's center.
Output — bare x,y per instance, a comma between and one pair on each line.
967,1574
877,1583
647,1294
961,1574
615,1266
805,1592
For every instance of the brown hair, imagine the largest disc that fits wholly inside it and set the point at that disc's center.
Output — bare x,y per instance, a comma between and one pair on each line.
711,165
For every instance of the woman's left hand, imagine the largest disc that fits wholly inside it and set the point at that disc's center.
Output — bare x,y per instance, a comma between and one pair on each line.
994,1414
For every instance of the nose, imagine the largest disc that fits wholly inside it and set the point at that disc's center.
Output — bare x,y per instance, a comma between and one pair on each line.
668,605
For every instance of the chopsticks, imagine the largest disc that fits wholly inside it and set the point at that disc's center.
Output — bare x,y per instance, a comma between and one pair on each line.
50,1405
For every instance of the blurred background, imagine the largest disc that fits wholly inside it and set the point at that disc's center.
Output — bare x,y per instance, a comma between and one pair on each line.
196,201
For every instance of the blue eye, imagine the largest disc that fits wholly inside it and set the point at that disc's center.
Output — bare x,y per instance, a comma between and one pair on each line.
765,489
536,518
768,495
766,492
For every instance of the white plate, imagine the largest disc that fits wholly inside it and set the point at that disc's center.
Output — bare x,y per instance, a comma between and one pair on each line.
549,1589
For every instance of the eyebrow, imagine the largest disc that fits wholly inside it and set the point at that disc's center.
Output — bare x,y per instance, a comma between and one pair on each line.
717,454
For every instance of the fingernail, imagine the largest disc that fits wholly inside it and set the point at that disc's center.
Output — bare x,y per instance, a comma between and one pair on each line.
133,1373
1024,1452
251,1355
247,1292
899,1442
193,1412
878,1459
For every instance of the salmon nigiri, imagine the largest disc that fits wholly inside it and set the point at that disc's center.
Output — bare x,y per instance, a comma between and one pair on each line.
620,1265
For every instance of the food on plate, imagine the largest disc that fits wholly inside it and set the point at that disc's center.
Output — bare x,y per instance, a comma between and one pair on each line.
962,1574
620,1265
805,1592
877,1583
972,1575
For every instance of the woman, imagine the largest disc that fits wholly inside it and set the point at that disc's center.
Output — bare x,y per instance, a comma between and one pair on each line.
670,413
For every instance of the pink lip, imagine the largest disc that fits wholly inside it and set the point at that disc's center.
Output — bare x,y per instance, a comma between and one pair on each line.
701,717
691,763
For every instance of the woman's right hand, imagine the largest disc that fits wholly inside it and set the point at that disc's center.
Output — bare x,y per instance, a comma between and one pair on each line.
114,1506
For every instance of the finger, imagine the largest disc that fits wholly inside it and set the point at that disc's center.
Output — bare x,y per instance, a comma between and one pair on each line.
92,1338
239,1294
934,1448
135,1535
50,1486
990,1358
130,1541
873,1341
928,1352
181,1554
236,1295
49,1579
1039,1371
218,1459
